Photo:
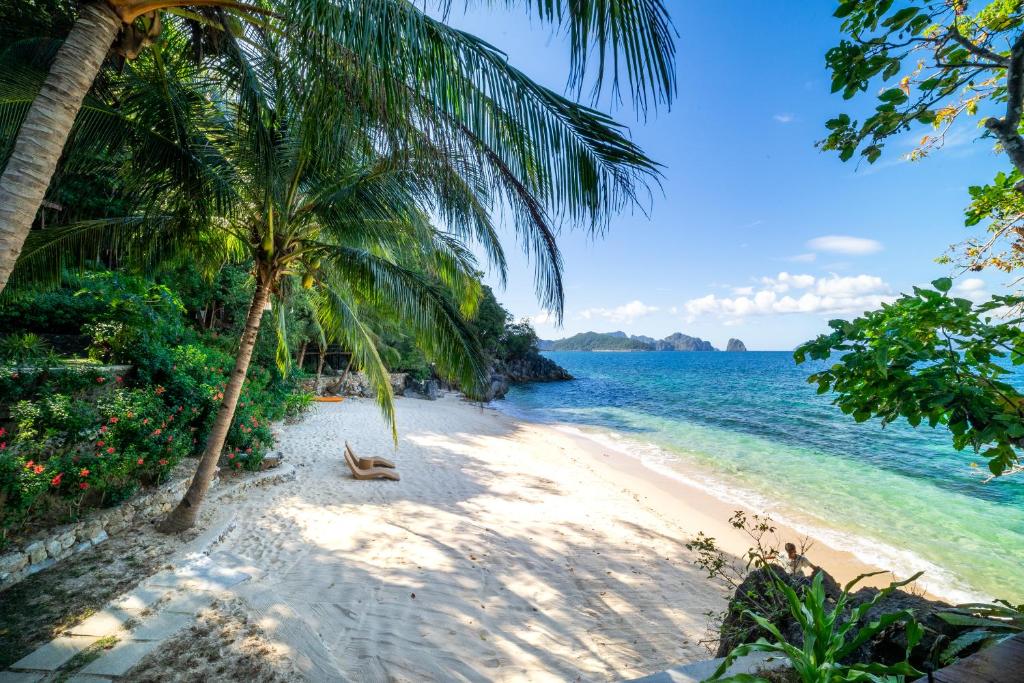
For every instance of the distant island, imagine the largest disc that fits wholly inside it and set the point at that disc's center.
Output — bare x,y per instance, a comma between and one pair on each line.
620,341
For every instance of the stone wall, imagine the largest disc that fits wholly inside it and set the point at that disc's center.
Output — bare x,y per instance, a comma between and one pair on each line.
24,558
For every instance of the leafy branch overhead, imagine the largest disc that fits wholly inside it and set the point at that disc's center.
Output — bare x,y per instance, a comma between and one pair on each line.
933,64
931,357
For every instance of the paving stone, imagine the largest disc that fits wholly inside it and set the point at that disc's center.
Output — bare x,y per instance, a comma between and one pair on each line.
200,574
103,623
139,599
163,625
187,603
85,678
17,677
56,653
119,659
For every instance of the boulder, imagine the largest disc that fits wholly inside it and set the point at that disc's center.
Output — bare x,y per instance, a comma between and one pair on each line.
735,345
758,594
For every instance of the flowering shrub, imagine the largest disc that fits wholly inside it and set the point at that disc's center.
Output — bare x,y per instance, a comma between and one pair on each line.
86,454
79,437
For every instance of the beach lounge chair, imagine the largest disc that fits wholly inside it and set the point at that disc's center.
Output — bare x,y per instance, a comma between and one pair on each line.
368,462
368,472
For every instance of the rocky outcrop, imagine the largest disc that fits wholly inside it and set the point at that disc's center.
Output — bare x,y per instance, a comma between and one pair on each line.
682,342
357,384
535,368
735,345
758,594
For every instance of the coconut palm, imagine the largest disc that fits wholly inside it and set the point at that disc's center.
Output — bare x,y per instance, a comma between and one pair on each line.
373,46
334,191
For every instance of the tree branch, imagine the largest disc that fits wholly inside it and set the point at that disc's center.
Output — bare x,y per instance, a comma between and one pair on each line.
976,50
1006,128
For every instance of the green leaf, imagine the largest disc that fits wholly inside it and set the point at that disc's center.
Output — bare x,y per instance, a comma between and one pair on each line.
943,284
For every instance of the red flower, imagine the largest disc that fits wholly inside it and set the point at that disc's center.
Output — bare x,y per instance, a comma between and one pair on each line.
83,486
120,379
103,429
30,463
139,462
113,420
3,432
162,461
100,443
145,420
84,473
231,456
38,469
110,449
156,432
101,380
56,480
3,445
248,450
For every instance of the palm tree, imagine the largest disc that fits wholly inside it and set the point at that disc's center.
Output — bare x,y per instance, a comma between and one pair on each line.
333,191
384,53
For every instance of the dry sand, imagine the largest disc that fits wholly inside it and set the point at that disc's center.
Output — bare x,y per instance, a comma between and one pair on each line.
508,552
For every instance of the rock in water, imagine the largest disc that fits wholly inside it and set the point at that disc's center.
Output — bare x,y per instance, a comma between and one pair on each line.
735,345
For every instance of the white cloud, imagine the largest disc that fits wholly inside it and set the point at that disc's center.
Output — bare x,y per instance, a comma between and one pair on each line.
809,257
625,313
972,288
543,318
971,284
785,118
788,293
845,244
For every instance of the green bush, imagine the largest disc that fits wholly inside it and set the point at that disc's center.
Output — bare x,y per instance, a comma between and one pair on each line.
79,438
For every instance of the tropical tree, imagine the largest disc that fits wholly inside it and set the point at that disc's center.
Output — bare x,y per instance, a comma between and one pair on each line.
931,356
385,53
937,64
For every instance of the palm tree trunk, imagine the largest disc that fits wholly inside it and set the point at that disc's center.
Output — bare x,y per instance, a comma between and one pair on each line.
45,131
184,516
302,355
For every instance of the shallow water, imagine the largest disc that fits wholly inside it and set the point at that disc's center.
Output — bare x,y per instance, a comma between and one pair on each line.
748,428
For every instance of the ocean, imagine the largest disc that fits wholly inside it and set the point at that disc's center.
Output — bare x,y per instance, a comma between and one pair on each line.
748,428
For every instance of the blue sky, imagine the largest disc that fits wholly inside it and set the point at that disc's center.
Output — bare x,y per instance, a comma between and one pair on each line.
757,234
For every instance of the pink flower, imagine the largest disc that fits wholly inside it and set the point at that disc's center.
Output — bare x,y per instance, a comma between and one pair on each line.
139,461
231,456
156,432
113,420
110,450
3,445
162,461
83,486
100,443
145,420
3,432
56,480
103,429
120,379
84,473
101,380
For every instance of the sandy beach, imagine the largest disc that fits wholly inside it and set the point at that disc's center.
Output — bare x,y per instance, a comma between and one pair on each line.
508,551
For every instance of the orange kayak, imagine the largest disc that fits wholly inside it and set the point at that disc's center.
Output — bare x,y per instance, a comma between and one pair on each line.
330,399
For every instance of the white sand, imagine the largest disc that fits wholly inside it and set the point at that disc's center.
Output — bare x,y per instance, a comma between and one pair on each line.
505,553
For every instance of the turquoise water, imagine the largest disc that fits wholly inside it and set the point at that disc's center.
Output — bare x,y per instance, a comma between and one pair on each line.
757,433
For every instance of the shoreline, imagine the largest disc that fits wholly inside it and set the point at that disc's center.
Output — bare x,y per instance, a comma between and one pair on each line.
676,496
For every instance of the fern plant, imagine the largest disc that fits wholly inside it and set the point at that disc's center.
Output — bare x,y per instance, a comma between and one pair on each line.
830,636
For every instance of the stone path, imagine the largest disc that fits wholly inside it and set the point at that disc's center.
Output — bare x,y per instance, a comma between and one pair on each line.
138,621
109,643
